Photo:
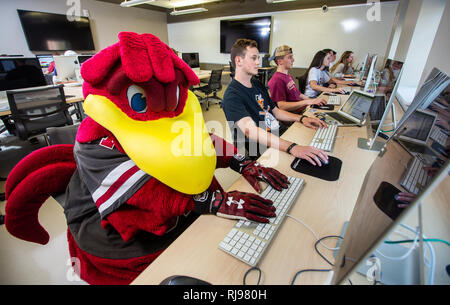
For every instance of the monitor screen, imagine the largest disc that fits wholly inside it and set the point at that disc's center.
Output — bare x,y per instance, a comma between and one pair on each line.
65,67
418,126
357,105
20,72
54,32
45,60
192,59
377,107
83,58
258,29
393,187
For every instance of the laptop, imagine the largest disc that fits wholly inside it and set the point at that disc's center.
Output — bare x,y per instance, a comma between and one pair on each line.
353,112
415,133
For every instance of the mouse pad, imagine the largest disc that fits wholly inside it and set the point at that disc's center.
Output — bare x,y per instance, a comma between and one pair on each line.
329,172
385,200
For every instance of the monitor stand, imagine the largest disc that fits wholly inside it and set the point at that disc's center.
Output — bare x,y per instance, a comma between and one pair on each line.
392,272
365,144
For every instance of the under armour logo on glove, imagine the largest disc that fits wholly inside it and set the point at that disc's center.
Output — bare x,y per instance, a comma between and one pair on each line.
253,171
239,203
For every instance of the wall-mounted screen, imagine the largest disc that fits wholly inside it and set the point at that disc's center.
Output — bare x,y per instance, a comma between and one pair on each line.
258,29
55,32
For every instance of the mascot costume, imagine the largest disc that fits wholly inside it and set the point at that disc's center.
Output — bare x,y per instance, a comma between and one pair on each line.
142,167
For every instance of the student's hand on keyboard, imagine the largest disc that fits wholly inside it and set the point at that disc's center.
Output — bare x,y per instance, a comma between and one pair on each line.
310,154
253,171
314,123
339,90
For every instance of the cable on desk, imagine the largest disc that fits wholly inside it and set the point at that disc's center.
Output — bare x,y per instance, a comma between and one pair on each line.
308,270
250,270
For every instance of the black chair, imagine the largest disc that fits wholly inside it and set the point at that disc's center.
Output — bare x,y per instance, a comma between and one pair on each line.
62,135
302,82
35,109
232,70
214,85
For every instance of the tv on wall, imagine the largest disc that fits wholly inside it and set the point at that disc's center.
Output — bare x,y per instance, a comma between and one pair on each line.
55,32
258,29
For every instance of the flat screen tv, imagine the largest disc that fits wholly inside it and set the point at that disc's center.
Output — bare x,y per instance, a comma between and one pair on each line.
258,29
54,32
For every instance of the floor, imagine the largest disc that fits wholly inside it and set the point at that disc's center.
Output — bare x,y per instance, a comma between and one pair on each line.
26,263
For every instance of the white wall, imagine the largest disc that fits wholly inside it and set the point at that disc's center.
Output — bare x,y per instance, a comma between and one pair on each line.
439,52
306,31
107,20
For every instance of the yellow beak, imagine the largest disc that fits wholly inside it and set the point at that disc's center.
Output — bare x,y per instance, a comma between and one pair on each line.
177,151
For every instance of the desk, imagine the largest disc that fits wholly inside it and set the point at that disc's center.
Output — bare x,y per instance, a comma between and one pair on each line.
323,205
75,91
204,74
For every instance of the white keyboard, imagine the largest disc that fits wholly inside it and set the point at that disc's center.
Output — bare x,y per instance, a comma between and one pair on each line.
439,136
324,138
334,100
248,240
415,177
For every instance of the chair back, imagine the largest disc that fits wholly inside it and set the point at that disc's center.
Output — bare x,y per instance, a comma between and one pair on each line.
34,109
63,134
215,80
302,82
231,70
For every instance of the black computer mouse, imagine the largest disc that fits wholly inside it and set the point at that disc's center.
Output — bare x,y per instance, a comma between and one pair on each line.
323,161
183,280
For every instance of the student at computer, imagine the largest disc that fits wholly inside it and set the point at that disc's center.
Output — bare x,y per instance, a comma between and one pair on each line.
282,86
343,67
253,115
317,78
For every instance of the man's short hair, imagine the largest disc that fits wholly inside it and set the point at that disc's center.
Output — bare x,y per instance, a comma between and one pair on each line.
240,47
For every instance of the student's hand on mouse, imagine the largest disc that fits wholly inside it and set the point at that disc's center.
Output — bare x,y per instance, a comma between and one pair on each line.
311,154
314,123
406,198
253,171
317,101
234,205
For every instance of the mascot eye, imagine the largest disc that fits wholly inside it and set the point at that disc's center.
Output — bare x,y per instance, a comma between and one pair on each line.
136,98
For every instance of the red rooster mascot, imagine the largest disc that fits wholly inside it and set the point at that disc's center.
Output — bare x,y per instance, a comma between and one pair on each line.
142,167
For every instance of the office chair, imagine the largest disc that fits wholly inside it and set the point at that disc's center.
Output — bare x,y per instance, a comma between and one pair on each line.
62,135
232,70
214,85
302,82
34,109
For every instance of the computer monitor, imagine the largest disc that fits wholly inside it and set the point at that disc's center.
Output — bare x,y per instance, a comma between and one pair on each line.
367,238
192,59
356,106
83,58
65,67
364,62
417,128
20,72
45,60
370,79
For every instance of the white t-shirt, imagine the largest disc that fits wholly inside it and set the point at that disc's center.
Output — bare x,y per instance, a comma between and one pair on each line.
320,76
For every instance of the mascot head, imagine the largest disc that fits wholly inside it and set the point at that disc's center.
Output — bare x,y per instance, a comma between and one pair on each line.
136,93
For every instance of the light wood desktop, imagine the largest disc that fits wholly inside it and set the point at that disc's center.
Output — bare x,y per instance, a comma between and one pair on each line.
322,205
